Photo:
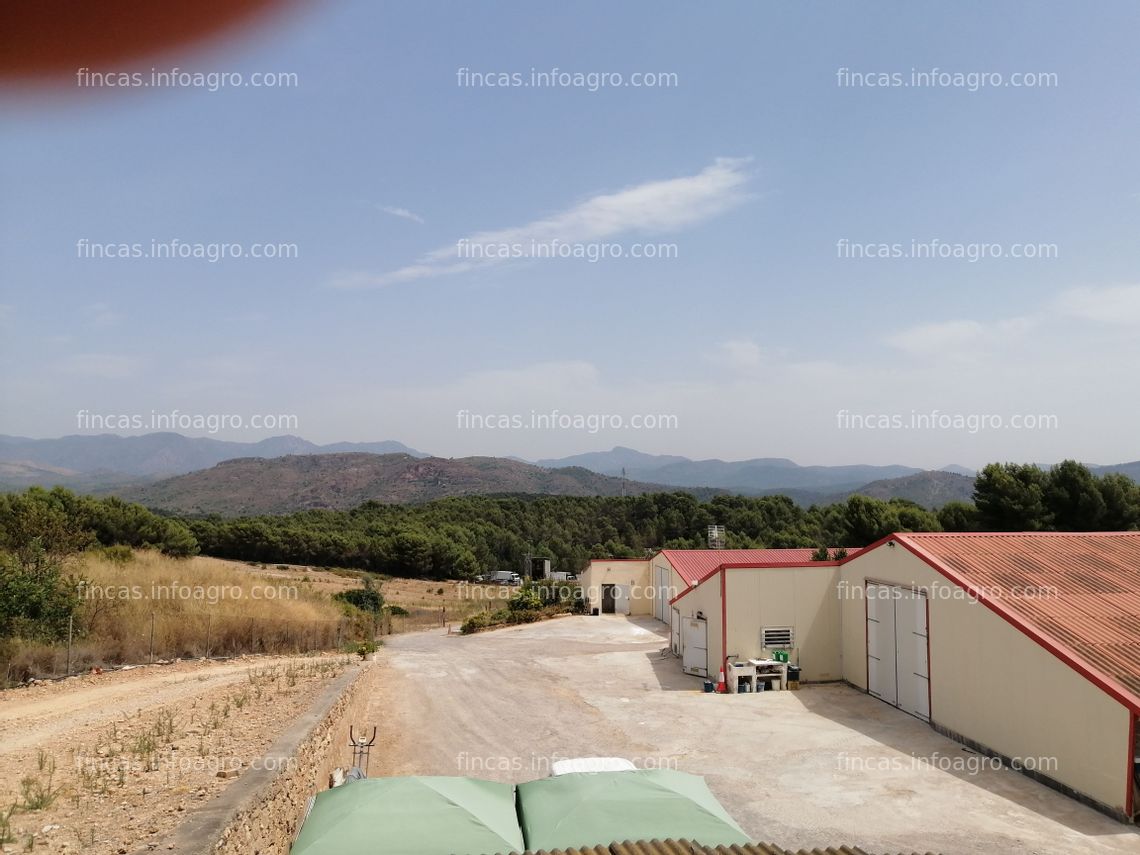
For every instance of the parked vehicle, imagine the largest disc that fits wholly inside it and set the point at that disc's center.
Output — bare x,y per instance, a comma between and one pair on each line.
506,577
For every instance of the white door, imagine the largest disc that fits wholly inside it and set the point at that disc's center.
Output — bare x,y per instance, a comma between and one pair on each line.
675,632
898,658
912,654
695,647
621,599
881,679
661,584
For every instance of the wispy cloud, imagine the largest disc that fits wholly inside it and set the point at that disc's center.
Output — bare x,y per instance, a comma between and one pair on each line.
1112,306
926,339
653,207
738,354
102,315
402,213
1117,305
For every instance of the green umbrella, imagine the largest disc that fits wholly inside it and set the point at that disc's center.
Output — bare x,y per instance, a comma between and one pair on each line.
409,816
589,809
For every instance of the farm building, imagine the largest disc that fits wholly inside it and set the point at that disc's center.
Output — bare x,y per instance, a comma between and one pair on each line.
775,599
645,586
617,586
1024,646
1021,646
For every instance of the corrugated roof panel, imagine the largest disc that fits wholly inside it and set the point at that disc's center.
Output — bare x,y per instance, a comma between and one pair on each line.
1080,590
685,847
693,565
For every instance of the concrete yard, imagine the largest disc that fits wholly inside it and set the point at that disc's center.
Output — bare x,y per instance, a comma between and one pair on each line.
826,765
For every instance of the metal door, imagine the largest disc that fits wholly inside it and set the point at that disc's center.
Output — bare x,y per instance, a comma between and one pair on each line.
695,650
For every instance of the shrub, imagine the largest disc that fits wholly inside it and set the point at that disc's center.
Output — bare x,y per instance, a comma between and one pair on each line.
525,599
366,599
36,599
117,554
477,621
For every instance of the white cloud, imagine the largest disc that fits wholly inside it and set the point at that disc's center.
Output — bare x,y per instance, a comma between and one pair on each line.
403,213
102,315
936,338
650,208
739,354
1117,305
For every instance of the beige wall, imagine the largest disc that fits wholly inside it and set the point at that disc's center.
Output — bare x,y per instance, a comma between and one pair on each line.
994,685
706,598
631,575
800,597
676,584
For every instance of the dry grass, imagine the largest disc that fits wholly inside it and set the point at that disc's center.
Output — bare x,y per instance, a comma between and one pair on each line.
214,607
171,608
434,603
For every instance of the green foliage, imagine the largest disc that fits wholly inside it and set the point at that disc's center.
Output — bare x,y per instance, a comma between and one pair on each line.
1067,497
63,523
460,537
1011,497
117,554
36,599
821,554
367,599
364,648
1072,496
397,611
958,516
477,621
525,599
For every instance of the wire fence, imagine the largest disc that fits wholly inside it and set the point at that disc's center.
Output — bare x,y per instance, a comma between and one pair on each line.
162,638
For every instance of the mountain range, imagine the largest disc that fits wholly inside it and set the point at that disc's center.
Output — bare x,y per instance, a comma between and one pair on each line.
341,481
284,473
112,459
757,475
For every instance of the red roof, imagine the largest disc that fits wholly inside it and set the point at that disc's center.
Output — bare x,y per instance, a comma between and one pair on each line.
1077,594
696,565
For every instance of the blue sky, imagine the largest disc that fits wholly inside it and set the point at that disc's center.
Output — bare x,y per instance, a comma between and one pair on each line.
755,165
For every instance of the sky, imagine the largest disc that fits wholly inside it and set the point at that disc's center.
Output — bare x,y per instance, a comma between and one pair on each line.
763,172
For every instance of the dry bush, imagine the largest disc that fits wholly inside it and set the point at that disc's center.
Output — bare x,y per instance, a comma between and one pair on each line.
186,608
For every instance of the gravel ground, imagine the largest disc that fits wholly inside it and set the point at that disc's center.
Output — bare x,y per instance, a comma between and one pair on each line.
125,757
823,766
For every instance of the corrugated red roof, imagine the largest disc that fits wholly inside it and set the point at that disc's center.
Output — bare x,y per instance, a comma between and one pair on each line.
1079,593
695,565
684,847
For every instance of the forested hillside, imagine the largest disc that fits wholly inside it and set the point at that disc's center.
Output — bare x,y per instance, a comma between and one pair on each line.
463,536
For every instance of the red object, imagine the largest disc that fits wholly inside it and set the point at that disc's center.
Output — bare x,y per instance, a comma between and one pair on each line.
696,565
1092,604
53,38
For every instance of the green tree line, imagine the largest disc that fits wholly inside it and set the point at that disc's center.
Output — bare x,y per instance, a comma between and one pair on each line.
462,537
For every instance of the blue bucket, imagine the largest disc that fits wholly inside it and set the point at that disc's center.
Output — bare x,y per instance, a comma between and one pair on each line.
709,686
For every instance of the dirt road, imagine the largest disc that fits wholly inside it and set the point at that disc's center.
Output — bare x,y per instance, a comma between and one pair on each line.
104,763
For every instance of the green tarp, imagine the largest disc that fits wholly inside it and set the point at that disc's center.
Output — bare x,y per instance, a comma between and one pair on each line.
598,808
412,816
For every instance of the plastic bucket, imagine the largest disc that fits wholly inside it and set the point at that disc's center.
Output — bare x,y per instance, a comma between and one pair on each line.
709,686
